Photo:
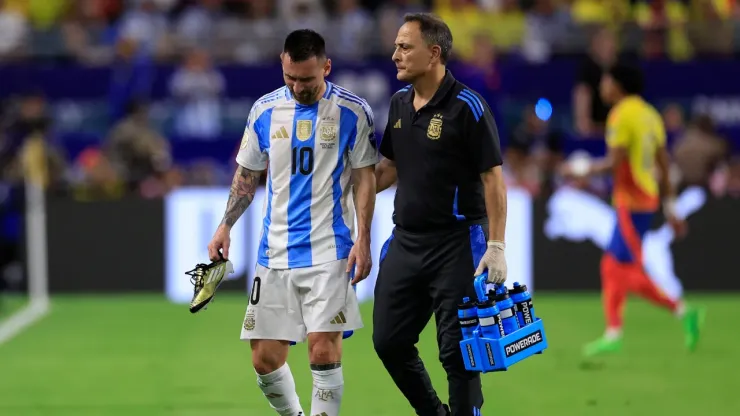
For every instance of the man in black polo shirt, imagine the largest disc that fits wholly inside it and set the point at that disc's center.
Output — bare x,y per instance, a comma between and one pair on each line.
442,148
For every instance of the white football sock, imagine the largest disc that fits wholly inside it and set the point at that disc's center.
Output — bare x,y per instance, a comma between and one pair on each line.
279,389
328,386
613,334
680,309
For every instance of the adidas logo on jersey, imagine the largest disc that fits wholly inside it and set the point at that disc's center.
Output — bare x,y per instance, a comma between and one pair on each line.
339,319
398,124
281,133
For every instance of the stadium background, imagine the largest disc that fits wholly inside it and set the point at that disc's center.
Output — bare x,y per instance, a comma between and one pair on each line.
129,114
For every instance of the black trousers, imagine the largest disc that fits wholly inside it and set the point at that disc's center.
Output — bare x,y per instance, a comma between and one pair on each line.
421,275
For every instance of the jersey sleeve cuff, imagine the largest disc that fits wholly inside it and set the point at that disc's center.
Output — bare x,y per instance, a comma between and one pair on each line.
365,163
488,166
252,166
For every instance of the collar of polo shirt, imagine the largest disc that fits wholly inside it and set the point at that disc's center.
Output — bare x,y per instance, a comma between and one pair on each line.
447,83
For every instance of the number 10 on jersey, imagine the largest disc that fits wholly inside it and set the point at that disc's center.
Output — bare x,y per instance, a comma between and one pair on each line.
302,160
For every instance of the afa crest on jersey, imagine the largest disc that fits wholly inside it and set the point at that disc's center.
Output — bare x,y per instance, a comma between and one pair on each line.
434,131
328,133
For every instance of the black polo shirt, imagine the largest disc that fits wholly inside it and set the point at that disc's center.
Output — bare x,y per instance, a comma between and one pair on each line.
440,152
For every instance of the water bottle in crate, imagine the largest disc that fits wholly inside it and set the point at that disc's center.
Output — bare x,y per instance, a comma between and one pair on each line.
507,330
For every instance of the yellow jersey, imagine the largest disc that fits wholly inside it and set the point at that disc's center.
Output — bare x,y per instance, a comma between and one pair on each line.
636,126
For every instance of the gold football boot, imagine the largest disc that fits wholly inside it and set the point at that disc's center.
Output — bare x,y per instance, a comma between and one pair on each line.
206,278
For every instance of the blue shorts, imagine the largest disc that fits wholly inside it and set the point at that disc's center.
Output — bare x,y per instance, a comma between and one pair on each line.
626,242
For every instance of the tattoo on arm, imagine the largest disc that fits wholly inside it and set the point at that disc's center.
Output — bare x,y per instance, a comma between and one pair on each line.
241,194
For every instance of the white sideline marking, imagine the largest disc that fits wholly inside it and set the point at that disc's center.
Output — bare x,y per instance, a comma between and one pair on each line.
17,322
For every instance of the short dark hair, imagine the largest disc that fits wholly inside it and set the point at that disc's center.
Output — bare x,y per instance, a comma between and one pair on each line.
628,76
304,44
434,30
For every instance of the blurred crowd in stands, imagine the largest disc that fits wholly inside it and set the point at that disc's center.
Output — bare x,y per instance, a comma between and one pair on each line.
197,35
248,31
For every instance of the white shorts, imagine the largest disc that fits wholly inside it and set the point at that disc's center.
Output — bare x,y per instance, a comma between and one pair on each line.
288,304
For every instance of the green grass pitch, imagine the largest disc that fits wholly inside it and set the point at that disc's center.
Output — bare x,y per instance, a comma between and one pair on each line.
140,356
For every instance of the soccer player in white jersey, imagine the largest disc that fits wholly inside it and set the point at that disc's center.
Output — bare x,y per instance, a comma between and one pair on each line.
320,144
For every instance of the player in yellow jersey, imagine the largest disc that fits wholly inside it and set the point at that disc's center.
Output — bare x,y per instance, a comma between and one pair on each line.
638,160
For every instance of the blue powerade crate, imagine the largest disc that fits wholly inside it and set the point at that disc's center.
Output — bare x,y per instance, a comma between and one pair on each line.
489,345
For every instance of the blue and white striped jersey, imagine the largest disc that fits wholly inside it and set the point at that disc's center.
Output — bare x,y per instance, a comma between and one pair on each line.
309,213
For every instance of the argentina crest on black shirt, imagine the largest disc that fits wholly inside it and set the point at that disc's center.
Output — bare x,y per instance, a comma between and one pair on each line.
440,152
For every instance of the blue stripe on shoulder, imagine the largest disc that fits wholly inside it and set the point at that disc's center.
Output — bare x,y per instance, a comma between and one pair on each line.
271,96
473,102
347,92
350,98
475,99
275,95
354,99
404,89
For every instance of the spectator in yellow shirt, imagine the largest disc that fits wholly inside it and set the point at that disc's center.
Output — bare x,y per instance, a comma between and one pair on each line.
726,9
600,12
42,14
664,22
506,25
464,19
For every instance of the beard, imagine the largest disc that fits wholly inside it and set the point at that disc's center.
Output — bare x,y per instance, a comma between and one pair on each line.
306,96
